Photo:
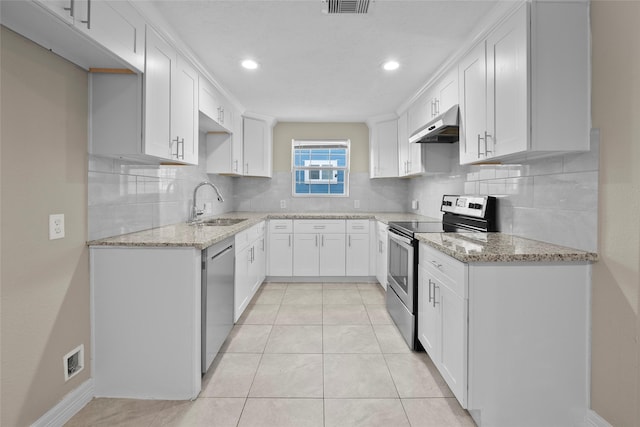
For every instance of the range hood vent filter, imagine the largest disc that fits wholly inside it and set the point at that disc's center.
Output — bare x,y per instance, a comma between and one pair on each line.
345,6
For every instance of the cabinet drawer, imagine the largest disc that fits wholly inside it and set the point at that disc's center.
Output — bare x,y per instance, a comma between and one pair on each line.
319,226
358,226
452,272
280,226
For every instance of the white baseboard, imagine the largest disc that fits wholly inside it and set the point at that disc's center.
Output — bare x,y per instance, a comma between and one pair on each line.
595,420
70,405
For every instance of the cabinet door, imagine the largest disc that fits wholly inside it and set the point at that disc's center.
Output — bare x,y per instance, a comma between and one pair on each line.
260,261
256,151
281,254
453,333
116,26
159,65
332,255
306,254
473,104
420,112
428,316
357,255
507,87
403,145
385,146
381,255
242,281
237,143
184,113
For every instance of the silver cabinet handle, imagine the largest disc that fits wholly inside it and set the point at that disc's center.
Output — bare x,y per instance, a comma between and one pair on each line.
486,139
318,227
280,227
435,301
235,166
349,240
430,297
436,264
71,8
479,152
88,21
246,167
437,102
289,240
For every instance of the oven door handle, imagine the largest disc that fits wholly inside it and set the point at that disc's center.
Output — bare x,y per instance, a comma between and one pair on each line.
399,237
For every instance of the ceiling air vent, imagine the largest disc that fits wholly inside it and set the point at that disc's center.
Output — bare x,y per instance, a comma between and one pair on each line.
345,6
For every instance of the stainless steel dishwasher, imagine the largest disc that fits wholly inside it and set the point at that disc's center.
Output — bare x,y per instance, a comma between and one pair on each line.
217,298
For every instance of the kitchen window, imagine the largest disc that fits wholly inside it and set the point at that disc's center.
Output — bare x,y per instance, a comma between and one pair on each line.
320,167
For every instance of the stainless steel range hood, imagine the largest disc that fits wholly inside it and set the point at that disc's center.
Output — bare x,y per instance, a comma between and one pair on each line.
442,129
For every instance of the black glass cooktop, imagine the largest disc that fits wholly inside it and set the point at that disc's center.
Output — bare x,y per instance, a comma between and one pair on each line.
412,227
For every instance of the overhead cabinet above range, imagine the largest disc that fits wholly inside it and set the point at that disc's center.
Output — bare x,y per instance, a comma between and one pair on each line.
156,113
524,90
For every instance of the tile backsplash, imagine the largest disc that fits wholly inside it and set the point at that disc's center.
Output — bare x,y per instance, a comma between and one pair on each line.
552,199
125,197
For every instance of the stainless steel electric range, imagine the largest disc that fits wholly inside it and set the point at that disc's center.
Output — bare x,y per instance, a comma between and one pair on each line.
461,214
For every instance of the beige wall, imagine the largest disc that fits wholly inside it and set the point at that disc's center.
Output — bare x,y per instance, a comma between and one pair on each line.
616,280
45,284
284,132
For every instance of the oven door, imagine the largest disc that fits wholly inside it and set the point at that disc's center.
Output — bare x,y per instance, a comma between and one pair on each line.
401,269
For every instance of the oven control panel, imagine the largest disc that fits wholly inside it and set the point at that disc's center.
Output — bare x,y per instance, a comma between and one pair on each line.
474,206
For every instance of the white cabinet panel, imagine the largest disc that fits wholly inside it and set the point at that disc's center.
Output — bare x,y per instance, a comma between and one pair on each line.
357,254
332,255
281,254
306,254
510,105
160,62
257,149
381,254
184,113
383,146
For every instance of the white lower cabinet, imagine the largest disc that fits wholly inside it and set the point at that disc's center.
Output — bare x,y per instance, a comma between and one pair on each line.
381,253
319,248
510,339
280,253
146,322
250,266
442,321
357,248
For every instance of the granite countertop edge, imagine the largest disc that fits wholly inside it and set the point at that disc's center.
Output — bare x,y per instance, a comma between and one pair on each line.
501,247
201,237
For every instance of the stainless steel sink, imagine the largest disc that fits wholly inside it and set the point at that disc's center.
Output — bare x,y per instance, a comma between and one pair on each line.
222,222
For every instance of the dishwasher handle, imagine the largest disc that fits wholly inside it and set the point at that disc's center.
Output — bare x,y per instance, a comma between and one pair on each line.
224,251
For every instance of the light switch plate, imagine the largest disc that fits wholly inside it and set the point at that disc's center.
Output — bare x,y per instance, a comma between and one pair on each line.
283,204
356,204
56,226
414,204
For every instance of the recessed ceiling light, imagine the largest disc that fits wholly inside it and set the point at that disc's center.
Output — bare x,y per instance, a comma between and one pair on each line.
249,64
391,65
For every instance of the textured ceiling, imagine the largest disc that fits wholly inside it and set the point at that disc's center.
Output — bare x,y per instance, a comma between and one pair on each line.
319,67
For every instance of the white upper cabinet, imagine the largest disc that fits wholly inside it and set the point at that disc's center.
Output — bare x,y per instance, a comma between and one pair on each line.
524,90
114,24
89,33
257,147
153,117
171,107
159,64
215,111
383,149
184,113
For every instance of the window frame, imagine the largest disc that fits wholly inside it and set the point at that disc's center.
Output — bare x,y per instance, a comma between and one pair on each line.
320,144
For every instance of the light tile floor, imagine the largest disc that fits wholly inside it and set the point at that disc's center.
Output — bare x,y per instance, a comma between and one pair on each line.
305,354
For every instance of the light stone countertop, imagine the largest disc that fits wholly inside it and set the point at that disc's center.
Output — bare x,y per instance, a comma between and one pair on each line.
499,247
465,247
201,236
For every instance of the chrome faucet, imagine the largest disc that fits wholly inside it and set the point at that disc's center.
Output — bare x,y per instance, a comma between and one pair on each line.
195,212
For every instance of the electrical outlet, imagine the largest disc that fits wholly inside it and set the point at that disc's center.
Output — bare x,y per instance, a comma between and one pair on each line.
73,362
56,226
414,204
283,204
356,204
